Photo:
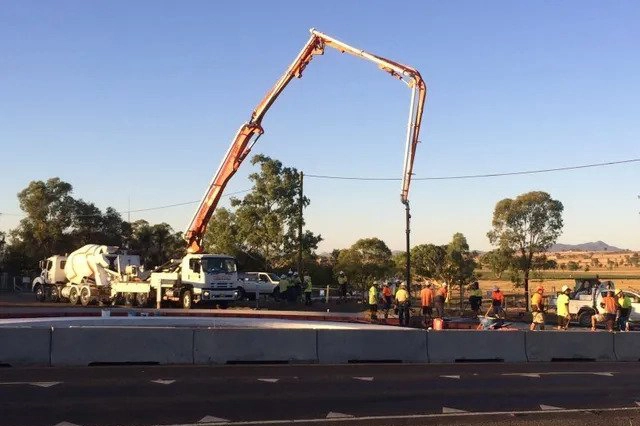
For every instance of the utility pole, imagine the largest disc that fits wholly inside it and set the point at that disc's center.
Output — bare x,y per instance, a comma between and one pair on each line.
408,230
301,206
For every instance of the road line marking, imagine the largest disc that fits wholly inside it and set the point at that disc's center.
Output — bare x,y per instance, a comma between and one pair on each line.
66,424
638,403
269,380
447,410
39,384
414,416
212,420
163,382
334,415
364,379
604,374
549,407
452,377
534,375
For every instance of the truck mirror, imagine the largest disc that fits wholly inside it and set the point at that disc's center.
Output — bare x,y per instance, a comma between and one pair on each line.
41,264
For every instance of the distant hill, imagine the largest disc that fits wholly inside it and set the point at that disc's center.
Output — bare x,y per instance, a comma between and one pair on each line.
594,246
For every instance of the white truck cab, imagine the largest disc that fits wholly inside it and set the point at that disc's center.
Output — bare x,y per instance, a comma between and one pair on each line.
198,278
586,297
52,277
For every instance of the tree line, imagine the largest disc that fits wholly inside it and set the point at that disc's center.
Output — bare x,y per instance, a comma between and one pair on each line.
261,231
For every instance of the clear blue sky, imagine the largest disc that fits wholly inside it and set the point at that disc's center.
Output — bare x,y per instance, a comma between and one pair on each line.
140,100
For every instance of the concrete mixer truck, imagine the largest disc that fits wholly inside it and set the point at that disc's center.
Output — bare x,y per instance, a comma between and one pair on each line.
103,274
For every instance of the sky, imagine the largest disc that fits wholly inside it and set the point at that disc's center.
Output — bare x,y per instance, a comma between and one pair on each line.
135,104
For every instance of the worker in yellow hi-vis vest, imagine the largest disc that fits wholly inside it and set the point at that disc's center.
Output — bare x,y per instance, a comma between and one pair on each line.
308,287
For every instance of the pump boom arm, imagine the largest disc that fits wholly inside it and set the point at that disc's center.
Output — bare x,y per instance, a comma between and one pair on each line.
249,133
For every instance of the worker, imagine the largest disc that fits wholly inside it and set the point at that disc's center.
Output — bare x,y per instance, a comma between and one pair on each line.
624,310
403,304
475,298
438,301
308,286
342,281
497,302
537,309
373,301
292,287
426,301
607,312
562,308
387,299
283,286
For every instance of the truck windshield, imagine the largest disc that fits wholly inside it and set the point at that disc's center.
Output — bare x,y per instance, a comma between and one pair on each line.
274,277
218,265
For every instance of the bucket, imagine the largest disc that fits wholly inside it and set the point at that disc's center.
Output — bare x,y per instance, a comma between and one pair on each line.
438,324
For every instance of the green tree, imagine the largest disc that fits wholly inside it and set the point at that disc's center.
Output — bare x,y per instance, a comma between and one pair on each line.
634,260
267,218
526,225
460,264
572,266
498,261
48,207
399,263
368,259
156,244
429,260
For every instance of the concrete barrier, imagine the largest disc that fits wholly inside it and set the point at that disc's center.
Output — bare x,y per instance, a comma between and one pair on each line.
227,346
471,345
627,346
578,345
22,346
343,346
96,345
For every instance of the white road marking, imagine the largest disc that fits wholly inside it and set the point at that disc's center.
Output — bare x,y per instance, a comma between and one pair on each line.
163,382
561,373
535,375
39,384
549,407
269,380
364,379
638,403
334,415
412,416
66,424
212,420
447,410
456,376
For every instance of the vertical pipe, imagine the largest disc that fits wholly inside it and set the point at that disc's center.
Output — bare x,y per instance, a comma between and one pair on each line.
301,206
408,230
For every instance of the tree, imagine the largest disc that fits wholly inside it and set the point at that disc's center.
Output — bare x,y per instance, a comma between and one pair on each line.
572,266
49,211
460,264
526,225
368,259
429,260
634,260
156,244
268,218
498,261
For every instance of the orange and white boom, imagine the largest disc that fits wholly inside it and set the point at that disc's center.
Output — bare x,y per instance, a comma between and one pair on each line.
249,133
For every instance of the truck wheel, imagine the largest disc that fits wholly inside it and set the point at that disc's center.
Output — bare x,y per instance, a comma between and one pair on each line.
85,296
584,318
241,293
54,293
73,296
39,292
223,305
142,299
186,299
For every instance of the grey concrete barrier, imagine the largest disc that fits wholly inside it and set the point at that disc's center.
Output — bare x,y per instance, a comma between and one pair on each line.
22,346
471,345
343,346
121,345
226,346
627,346
578,345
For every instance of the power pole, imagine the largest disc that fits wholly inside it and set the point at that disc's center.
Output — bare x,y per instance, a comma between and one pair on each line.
301,206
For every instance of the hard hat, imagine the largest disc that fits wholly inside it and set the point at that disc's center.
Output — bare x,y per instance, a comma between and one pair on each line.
290,272
496,288
540,288
295,274
445,285
341,272
618,291
428,283
403,285
283,276
565,288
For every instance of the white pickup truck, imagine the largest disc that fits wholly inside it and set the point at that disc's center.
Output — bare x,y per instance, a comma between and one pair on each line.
586,297
250,283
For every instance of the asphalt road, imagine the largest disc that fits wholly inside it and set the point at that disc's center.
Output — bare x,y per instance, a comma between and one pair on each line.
357,394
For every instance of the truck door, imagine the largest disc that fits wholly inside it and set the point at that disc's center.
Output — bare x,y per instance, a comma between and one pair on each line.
195,271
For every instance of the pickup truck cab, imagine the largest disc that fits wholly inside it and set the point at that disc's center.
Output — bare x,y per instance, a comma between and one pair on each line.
250,283
586,297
